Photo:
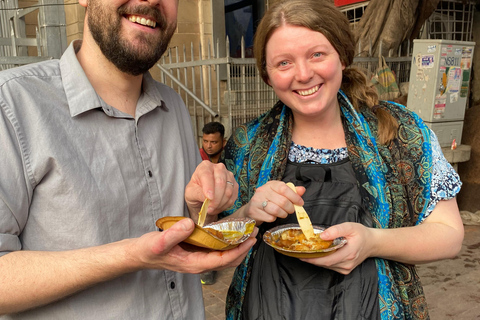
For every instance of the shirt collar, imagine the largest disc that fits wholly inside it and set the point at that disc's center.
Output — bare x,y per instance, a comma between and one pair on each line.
81,95
151,97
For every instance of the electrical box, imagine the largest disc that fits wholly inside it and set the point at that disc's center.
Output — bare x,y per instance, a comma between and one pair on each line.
446,132
439,85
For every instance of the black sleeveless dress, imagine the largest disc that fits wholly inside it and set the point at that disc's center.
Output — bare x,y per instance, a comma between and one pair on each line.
283,287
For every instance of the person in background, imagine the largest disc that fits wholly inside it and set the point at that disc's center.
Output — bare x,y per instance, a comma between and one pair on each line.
84,178
370,171
213,141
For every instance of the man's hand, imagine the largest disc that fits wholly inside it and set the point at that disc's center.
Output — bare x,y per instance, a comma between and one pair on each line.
161,250
212,181
33,278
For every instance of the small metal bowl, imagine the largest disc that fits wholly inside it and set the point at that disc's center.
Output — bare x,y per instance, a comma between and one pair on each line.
201,237
271,236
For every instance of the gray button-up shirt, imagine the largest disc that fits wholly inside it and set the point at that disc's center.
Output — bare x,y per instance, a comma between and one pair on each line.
75,172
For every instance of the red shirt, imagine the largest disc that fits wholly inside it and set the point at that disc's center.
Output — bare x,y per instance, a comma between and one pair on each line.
204,154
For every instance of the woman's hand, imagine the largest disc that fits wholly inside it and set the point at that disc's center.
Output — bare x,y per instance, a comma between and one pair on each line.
271,201
443,229
212,181
347,258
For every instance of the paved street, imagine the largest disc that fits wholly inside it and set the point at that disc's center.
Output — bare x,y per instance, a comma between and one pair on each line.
452,286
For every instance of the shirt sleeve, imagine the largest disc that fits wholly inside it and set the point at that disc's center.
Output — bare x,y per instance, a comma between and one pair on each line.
446,182
14,186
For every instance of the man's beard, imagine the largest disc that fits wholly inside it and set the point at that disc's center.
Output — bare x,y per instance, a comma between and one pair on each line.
214,154
127,57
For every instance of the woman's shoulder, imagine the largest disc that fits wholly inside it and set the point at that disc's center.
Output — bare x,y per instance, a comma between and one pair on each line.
407,119
401,112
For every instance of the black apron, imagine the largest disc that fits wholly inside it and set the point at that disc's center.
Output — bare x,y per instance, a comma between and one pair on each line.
282,287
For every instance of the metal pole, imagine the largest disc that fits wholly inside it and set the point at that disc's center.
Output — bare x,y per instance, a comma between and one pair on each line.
53,27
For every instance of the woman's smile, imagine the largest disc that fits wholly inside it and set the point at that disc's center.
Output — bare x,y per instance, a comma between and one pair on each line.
308,92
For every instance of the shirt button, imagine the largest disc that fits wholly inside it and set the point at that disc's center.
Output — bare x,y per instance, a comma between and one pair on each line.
150,174
172,285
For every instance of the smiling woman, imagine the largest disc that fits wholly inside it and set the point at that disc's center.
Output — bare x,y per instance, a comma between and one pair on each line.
332,138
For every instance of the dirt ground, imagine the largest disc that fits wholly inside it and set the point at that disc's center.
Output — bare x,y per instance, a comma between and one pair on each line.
452,287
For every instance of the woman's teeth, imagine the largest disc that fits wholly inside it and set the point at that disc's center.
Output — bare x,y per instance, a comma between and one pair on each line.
143,21
308,92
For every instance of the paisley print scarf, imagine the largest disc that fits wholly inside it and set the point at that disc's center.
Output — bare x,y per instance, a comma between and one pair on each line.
395,180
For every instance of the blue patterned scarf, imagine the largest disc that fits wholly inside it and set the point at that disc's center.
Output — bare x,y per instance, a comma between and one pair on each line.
395,180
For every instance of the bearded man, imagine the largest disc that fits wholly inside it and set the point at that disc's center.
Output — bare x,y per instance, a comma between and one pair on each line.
84,178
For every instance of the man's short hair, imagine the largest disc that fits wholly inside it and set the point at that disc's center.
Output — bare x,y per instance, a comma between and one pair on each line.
214,127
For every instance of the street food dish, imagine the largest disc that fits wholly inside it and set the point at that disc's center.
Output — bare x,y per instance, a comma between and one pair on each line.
293,239
221,235
289,240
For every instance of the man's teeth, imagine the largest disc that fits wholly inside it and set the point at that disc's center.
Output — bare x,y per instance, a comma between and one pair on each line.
143,21
308,92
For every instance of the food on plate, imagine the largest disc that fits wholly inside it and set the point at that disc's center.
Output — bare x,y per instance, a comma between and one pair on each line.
220,235
229,235
294,239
